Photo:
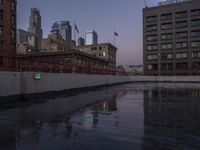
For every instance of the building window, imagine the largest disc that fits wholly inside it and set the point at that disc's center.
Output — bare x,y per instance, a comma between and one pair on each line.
181,55
1,2
168,46
13,18
182,14
195,12
100,48
196,65
152,38
13,34
166,26
166,16
167,56
195,54
181,35
181,24
151,19
1,14
152,67
195,22
152,47
167,66
182,66
181,45
1,30
152,57
1,43
195,44
151,28
12,6
195,33
167,36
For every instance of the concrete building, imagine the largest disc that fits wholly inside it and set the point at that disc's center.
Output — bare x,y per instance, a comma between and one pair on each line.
54,43
134,70
172,38
91,37
104,50
7,33
22,36
35,25
81,41
65,30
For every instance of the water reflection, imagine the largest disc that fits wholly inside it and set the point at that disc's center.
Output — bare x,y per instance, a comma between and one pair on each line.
132,116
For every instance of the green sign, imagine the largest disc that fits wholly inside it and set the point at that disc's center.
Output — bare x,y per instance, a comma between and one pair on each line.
37,76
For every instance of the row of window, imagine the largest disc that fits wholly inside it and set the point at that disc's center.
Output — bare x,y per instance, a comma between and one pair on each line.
169,16
178,35
2,31
169,66
2,16
13,6
169,25
169,56
169,46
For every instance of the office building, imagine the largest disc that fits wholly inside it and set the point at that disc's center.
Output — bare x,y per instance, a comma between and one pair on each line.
65,30
35,25
172,38
22,36
7,33
91,38
104,51
81,41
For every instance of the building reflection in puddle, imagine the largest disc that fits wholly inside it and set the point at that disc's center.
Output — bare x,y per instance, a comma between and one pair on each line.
171,119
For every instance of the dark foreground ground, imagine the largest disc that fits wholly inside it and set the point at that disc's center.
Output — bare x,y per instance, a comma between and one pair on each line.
123,117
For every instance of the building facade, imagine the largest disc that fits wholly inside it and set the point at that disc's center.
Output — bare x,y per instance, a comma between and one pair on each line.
54,43
104,51
81,41
35,25
22,36
91,37
7,33
65,30
172,38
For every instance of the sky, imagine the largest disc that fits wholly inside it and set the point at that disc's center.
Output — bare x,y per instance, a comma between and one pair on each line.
104,16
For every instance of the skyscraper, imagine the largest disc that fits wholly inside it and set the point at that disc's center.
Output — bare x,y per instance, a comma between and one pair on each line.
7,32
81,41
65,30
91,37
35,25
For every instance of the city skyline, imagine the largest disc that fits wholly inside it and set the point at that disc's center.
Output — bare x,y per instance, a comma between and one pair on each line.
127,23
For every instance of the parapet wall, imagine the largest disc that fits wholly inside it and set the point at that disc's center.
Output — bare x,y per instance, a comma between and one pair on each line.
18,83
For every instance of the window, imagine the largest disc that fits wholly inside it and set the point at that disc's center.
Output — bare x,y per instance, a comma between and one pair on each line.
181,55
195,33
152,47
1,15
167,56
195,44
1,43
13,18
1,30
152,57
100,48
151,19
196,65
181,35
182,66
182,14
151,28
181,45
152,38
168,46
166,16
12,6
167,66
1,2
195,22
13,34
152,67
167,36
166,26
195,54
195,12
181,24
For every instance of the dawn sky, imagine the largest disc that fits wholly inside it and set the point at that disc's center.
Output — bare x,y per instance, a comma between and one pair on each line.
104,16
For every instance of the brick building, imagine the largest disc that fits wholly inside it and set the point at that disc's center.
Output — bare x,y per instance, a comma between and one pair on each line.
7,33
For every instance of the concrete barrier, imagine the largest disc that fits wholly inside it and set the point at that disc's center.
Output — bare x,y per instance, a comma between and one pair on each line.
18,83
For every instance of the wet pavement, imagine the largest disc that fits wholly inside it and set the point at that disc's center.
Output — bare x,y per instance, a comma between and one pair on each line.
135,116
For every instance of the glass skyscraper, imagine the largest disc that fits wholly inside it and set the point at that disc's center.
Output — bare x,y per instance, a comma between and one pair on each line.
64,29
91,38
